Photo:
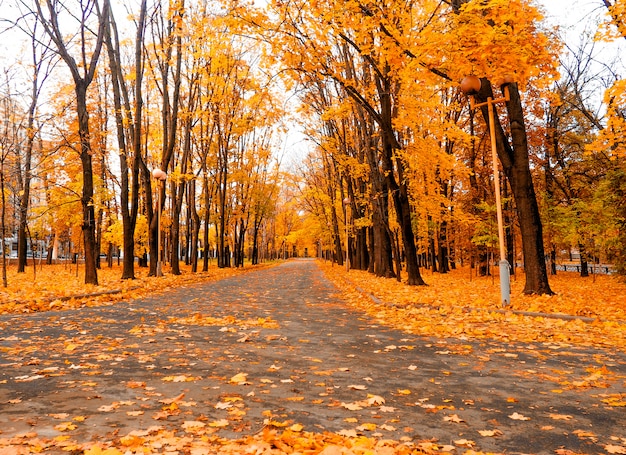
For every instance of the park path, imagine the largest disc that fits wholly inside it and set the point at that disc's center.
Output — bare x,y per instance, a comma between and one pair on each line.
278,346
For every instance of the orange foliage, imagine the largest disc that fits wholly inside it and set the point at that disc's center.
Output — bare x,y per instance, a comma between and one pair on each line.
62,287
453,305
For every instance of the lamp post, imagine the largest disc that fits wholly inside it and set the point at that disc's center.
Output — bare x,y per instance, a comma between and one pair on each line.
470,85
160,176
346,203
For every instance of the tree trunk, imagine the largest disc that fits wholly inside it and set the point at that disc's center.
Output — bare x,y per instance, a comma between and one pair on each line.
195,225
89,221
584,262
516,165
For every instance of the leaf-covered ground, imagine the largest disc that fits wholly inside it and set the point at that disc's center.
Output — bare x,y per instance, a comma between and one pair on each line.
458,305
184,412
61,286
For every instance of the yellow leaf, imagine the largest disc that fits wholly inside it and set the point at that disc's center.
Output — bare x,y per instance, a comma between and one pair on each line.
193,424
352,406
490,433
296,427
517,416
560,417
367,427
97,450
65,426
465,443
219,423
453,418
239,378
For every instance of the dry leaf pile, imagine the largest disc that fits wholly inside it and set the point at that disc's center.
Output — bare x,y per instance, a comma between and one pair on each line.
456,305
62,287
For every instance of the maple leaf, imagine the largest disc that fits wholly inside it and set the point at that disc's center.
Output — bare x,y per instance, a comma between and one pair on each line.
348,433
97,450
193,425
517,416
219,423
610,448
560,416
465,443
108,408
453,418
357,387
387,427
367,427
180,378
239,379
65,426
352,406
490,433
387,409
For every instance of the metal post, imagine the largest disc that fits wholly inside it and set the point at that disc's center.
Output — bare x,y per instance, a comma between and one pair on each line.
505,280
471,85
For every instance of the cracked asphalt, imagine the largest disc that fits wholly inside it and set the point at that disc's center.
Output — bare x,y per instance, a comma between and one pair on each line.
279,346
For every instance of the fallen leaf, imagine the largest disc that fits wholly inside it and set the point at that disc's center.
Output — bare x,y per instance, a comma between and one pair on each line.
367,427
357,387
352,406
193,424
490,433
239,378
560,417
345,433
465,443
387,409
387,427
65,426
375,400
219,423
453,418
517,416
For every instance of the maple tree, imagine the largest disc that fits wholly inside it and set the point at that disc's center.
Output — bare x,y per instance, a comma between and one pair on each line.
402,158
82,76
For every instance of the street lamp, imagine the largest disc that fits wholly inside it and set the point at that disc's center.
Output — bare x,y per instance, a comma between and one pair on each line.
346,203
160,176
470,85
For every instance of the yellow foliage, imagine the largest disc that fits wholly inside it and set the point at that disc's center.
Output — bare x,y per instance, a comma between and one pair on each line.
61,286
455,304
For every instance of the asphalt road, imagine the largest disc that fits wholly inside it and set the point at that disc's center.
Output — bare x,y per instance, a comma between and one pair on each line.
278,347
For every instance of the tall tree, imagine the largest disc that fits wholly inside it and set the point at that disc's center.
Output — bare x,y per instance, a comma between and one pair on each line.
485,39
82,69
128,120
